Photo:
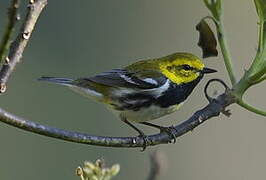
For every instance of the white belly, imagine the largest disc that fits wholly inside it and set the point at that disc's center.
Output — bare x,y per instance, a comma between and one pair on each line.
148,113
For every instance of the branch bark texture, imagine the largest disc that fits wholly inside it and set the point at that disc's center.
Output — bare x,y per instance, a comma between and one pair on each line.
18,46
13,17
214,108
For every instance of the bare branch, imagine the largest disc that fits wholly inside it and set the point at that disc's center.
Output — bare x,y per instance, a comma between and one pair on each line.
18,46
13,17
214,108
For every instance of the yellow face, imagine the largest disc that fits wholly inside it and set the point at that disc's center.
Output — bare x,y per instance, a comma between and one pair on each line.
181,68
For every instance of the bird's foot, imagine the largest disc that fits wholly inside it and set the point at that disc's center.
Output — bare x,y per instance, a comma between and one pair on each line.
145,141
170,131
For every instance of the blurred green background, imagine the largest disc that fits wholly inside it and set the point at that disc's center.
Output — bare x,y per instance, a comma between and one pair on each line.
81,38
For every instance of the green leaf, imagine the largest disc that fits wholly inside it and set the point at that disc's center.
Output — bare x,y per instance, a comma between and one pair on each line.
261,8
207,40
258,67
261,11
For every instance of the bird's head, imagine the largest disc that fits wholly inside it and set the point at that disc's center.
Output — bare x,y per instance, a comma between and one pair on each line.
183,67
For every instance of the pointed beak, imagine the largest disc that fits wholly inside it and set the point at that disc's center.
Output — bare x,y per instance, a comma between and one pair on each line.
208,70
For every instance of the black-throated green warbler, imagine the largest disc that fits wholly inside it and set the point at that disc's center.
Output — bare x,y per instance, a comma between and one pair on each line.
145,90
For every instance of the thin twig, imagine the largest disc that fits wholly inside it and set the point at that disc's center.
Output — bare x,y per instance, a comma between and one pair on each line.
13,17
251,108
225,51
18,46
216,8
211,110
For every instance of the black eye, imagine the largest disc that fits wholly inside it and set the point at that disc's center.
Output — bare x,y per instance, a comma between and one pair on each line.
186,67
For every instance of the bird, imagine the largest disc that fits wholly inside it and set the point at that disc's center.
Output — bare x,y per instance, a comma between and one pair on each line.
143,91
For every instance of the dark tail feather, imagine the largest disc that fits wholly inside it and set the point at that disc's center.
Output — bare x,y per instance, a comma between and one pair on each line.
63,81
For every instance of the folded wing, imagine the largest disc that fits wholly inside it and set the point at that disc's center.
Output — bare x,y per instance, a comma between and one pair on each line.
122,78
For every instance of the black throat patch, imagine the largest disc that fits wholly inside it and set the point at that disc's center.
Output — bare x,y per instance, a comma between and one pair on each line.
176,94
